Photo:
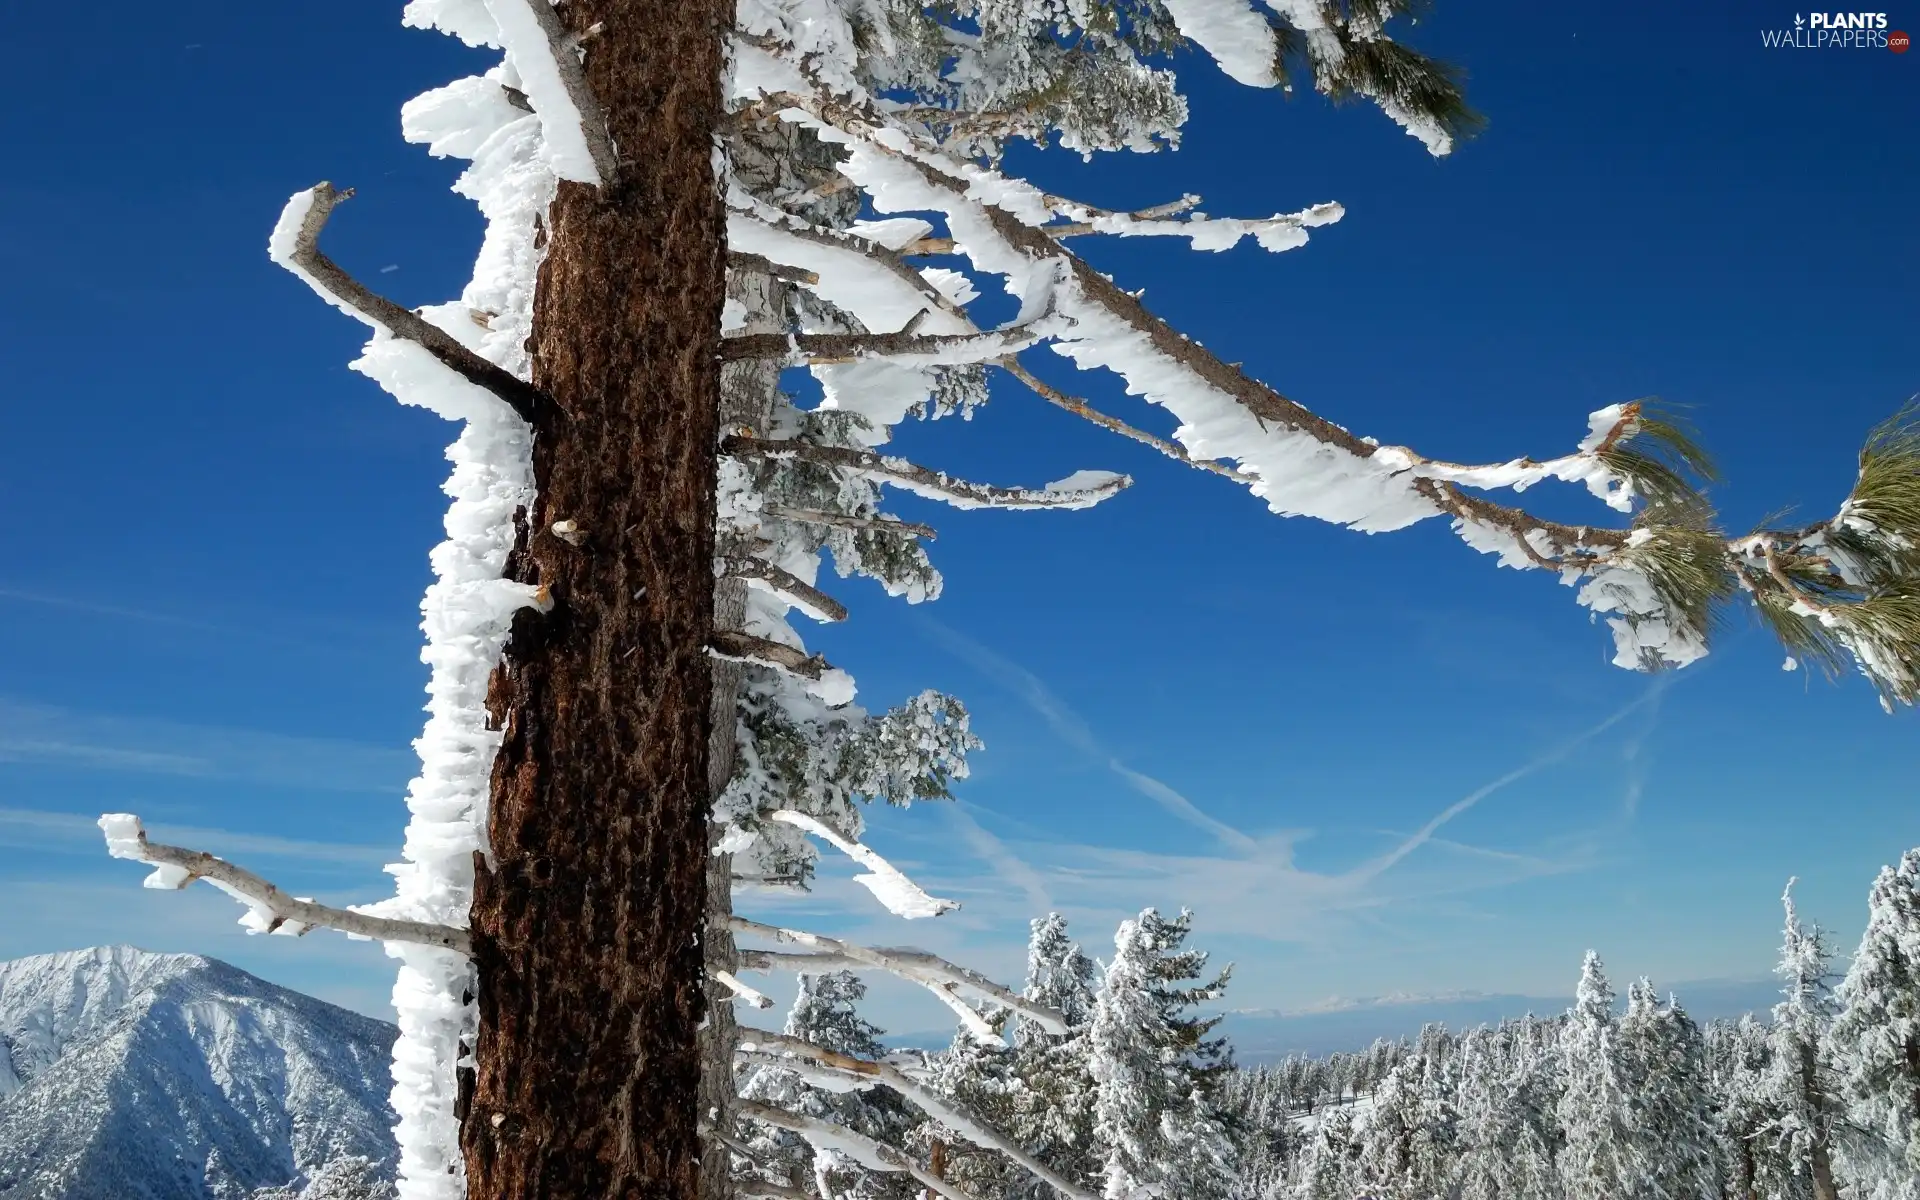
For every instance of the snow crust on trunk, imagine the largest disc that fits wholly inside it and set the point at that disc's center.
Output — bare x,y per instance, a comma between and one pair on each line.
468,609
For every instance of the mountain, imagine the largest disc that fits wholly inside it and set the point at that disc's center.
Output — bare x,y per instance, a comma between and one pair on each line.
126,1075
1348,1025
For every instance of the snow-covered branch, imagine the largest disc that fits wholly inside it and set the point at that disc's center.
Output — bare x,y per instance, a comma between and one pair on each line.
740,260
765,652
786,585
901,896
824,1135
1081,490
547,56
781,1050
831,954
741,991
269,909
809,516
295,245
1080,408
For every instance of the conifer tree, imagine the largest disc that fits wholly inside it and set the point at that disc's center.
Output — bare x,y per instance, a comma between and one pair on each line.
1155,1067
1663,1067
1330,1170
1407,1146
1740,1057
1876,1038
1597,1162
1799,1084
1053,1113
1506,1126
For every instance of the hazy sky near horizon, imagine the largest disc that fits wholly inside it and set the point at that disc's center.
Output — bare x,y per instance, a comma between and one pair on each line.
1371,764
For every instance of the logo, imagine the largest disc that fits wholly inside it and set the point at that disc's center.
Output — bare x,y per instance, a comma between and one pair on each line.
1836,31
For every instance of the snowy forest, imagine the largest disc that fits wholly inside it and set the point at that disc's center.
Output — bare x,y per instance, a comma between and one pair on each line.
1816,1099
727,251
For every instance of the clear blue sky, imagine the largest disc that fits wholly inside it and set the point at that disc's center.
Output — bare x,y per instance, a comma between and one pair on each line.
208,601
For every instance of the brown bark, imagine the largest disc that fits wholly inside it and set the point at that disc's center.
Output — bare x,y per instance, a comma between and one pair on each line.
747,392
587,921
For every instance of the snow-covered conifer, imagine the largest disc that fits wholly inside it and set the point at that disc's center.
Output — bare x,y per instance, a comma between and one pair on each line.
1506,1139
1799,1087
1662,1061
1597,1159
1053,1113
1876,1039
1154,1066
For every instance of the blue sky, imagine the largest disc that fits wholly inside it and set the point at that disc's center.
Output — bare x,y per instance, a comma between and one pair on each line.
219,538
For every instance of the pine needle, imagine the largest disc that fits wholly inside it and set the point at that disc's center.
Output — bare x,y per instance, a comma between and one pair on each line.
1882,516
1662,457
1685,559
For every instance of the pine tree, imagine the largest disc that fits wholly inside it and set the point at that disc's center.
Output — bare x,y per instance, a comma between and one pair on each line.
1407,1147
1800,1084
1740,1058
1876,1038
826,1013
1597,1161
1506,1126
1330,1170
1154,1067
1053,1113
1663,1064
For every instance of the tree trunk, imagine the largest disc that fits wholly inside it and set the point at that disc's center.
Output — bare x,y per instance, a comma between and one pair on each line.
747,393
587,919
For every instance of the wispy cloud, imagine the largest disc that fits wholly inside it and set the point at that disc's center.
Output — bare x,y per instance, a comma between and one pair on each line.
1010,867
1068,726
1256,887
42,734
1385,862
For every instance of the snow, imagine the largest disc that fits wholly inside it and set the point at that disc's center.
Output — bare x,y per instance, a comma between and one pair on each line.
166,1076
1237,37
468,609
901,896
531,54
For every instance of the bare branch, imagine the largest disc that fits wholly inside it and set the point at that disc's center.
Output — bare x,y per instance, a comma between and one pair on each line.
1081,408
928,246
862,1149
740,260
270,910
932,484
916,965
948,1112
826,349
768,1190
786,585
808,516
296,246
764,652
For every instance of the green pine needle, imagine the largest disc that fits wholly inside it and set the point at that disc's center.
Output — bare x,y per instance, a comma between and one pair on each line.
1685,558
1662,457
1887,497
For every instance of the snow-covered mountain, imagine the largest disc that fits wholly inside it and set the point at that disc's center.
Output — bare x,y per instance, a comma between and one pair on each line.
126,1075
